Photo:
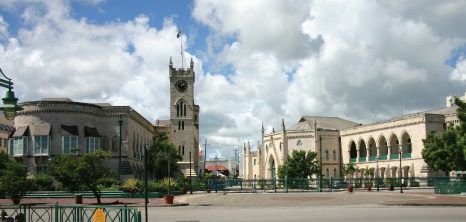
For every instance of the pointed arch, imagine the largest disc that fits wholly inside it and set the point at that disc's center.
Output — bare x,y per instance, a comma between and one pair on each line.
383,147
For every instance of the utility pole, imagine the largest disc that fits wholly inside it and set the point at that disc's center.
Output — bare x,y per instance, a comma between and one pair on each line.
205,152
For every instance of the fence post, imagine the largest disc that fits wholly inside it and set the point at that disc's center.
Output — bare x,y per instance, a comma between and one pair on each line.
241,183
139,216
286,184
56,212
330,184
125,215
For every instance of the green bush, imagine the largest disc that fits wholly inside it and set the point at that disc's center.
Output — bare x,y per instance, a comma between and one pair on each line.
130,186
368,183
43,182
108,182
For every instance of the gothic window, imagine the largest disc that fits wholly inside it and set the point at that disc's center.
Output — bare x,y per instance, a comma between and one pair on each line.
334,155
182,151
326,154
179,125
327,173
299,143
182,125
177,110
115,144
105,143
184,109
335,172
254,162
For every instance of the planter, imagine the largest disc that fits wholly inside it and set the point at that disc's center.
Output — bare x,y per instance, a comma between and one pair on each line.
369,188
208,191
391,188
169,199
350,189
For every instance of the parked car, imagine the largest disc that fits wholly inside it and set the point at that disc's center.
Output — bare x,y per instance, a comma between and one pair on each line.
339,184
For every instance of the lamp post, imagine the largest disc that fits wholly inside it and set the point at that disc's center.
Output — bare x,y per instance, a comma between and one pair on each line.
9,106
145,180
377,160
190,179
216,173
320,162
401,173
120,122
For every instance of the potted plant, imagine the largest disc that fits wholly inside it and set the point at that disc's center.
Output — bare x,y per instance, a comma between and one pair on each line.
368,183
169,182
349,169
183,182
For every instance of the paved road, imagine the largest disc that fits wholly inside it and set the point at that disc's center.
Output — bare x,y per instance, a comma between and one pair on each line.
307,213
343,206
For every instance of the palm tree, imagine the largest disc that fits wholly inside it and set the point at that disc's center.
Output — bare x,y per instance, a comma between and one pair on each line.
349,169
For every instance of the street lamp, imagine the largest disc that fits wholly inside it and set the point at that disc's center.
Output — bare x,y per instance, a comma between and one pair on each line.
190,180
119,149
401,173
377,160
145,180
216,173
9,106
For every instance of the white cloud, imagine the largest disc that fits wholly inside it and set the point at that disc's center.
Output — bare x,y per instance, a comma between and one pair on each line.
459,73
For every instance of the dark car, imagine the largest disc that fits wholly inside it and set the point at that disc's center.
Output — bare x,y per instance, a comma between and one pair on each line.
339,184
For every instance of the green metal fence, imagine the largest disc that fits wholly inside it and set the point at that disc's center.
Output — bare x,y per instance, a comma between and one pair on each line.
67,213
309,185
455,186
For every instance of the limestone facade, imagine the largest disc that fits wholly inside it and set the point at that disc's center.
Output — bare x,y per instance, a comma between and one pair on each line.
370,146
54,126
317,134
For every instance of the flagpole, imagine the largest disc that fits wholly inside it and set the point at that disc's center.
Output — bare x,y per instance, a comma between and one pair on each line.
181,43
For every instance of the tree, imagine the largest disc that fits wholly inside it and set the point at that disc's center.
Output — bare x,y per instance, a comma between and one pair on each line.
349,169
82,173
160,153
13,179
447,152
299,165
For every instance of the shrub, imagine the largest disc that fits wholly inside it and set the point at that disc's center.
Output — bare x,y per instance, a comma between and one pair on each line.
43,182
130,186
368,183
108,182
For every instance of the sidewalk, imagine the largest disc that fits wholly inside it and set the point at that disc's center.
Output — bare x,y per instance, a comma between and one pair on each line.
222,199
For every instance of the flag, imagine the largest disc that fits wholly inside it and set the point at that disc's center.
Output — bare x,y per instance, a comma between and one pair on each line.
179,34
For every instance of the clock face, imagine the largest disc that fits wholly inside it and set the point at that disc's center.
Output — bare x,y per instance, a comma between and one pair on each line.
181,85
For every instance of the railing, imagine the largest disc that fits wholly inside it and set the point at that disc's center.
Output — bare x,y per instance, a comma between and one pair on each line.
406,155
66,213
372,158
353,160
383,157
394,156
362,159
455,186
311,185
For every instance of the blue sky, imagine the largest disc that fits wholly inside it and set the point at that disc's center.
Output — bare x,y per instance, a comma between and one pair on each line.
255,61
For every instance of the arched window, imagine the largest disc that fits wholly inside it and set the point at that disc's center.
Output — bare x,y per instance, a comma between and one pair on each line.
327,173
184,109
114,143
335,172
334,155
182,125
177,110
326,154
105,144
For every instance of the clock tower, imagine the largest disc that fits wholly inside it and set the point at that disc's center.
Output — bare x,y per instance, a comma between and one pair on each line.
184,118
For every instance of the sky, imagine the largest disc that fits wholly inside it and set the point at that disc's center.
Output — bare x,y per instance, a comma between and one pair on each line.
256,62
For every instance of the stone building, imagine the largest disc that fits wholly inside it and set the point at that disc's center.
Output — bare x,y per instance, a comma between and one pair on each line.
311,133
183,126
6,128
340,142
49,127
